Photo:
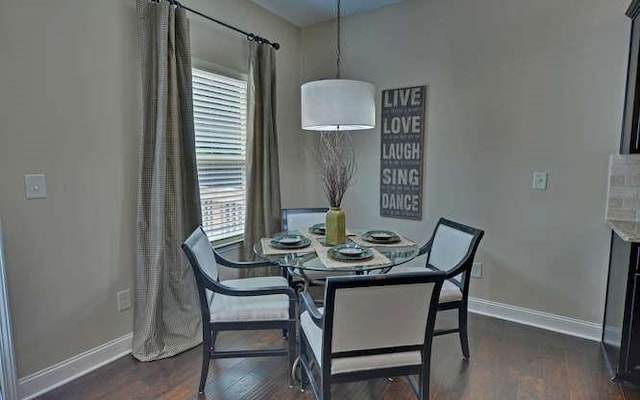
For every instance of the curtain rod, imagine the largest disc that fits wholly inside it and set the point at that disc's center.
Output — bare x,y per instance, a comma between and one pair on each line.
250,36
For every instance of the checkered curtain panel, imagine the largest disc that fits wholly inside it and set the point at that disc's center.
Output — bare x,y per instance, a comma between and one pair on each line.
263,172
167,317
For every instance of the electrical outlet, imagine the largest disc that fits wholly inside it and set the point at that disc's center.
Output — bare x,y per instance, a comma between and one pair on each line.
124,299
35,186
476,270
539,181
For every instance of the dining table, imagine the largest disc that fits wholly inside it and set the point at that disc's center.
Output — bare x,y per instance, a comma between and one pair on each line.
305,251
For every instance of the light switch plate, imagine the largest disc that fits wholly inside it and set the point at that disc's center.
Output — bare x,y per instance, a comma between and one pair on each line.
124,299
476,270
539,181
35,186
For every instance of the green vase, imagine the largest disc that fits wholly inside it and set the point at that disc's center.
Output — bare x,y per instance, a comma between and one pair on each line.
335,227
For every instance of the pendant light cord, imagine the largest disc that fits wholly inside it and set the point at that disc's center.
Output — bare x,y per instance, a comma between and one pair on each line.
338,47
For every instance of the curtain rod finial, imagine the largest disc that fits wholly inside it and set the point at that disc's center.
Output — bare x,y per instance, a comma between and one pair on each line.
252,37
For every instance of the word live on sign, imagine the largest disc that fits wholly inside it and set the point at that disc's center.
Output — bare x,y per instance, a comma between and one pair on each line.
401,152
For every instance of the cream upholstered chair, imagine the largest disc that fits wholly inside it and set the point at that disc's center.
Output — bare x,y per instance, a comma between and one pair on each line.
238,304
301,218
371,327
452,249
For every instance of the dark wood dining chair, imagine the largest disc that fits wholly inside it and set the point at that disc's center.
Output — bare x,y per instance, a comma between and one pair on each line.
373,326
238,304
452,249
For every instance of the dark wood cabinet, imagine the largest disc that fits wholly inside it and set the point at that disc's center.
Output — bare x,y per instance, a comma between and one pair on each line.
630,142
621,333
621,328
632,363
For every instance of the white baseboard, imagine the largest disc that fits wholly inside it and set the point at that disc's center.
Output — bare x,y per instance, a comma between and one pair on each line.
58,374
538,319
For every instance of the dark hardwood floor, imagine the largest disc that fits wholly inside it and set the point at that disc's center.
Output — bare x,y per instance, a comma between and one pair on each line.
508,361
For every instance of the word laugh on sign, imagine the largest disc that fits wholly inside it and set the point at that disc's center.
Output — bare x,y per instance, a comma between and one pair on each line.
402,142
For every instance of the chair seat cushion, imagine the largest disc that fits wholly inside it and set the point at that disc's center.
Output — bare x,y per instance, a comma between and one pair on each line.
353,364
315,275
450,292
251,308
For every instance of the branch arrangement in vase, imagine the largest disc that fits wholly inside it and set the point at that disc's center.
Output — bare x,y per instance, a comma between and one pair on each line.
336,163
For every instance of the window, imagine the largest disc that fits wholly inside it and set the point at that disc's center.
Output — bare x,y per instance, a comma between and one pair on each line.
219,113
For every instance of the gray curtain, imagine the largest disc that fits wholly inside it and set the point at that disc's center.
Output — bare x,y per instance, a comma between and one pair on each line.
167,314
263,175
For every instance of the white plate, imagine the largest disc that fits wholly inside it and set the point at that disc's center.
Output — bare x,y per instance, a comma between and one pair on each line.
380,235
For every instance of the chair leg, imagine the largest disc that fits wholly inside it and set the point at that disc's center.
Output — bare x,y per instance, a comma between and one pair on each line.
207,343
302,353
424,384
214,336
326,388
462,325
292,350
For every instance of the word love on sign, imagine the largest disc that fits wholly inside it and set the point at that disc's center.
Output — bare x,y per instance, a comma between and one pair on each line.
401,152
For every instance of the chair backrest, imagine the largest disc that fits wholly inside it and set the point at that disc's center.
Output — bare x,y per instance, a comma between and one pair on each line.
300,218
453,247
381,314
203,262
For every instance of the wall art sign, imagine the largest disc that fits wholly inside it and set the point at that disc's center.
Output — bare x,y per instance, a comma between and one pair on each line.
402,133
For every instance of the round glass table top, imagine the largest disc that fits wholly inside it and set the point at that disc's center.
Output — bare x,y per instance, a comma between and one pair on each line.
308,258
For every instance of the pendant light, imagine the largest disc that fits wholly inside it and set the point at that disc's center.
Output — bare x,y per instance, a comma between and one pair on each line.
338,104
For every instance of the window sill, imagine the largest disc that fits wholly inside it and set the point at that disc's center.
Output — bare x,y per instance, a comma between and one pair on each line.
228,244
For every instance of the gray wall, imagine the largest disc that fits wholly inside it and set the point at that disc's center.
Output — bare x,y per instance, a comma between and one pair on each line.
515,86
69,106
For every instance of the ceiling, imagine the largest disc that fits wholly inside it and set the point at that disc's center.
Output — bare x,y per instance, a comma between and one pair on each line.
308,12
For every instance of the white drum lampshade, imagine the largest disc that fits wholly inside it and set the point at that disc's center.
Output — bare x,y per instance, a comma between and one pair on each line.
338,105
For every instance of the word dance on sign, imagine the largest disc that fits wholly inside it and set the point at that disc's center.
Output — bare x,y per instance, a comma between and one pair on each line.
401,152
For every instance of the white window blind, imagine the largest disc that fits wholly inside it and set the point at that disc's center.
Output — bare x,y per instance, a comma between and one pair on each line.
219,113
